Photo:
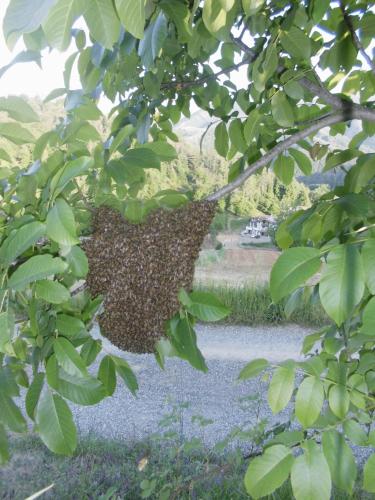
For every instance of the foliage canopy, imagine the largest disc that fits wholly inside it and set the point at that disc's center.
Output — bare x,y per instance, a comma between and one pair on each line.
308,67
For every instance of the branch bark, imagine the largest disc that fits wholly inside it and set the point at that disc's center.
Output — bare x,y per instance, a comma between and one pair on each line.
343,105
280,148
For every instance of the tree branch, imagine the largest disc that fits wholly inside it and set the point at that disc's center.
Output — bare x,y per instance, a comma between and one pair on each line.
343,105
192,83
280,148
356,41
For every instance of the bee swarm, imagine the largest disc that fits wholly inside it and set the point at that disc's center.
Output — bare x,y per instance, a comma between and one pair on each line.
139,269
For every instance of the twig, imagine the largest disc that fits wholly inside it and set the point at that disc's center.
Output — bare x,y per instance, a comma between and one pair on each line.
356,41
204,134
319,90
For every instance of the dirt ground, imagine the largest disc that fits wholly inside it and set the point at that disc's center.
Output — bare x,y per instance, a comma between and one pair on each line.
234,265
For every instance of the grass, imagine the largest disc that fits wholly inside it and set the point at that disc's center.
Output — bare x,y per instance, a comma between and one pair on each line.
260,244
112,470
253,305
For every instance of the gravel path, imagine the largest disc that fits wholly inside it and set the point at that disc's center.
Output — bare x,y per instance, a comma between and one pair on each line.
215,395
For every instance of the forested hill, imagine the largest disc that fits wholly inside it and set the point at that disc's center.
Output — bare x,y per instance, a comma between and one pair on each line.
203,171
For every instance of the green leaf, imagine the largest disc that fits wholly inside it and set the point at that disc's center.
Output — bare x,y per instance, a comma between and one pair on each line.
309,401
90,351
355,432
184,340
282,110
368,318
206,307
20,240
153,40
58,25
61,226
68,358
296,43
342,283
69,325
253,369
132,16
78,263
179,13
140,158
52,292
23,16
284,168
287,438
292,269
369,475
4,448
121,135
15,133
126,373
310,476
303,162
88,111
6,331
368,252
221,139
55,424
269,471
310,340
281,388
236,135
36,268
22,57
251,127
33,394
103,23
10,414
214,16
339,400
338,158
72,169
164,150
107,374
18,109
340,460
294,90
251,7
86,391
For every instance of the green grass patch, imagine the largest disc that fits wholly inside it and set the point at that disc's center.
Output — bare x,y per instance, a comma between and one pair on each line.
113,470
253,305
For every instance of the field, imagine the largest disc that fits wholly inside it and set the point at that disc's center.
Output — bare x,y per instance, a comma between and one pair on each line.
235,265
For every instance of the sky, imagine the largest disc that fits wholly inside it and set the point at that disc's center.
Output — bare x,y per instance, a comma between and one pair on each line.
28,78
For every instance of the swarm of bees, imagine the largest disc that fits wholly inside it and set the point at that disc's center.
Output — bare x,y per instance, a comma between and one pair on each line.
140,268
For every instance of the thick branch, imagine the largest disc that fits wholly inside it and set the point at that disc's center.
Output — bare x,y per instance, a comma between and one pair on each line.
278,149
356,41
343,105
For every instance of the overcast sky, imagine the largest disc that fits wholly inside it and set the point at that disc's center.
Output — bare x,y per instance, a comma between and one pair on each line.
28,78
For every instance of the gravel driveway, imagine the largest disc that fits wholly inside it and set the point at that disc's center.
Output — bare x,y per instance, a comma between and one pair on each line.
215,395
